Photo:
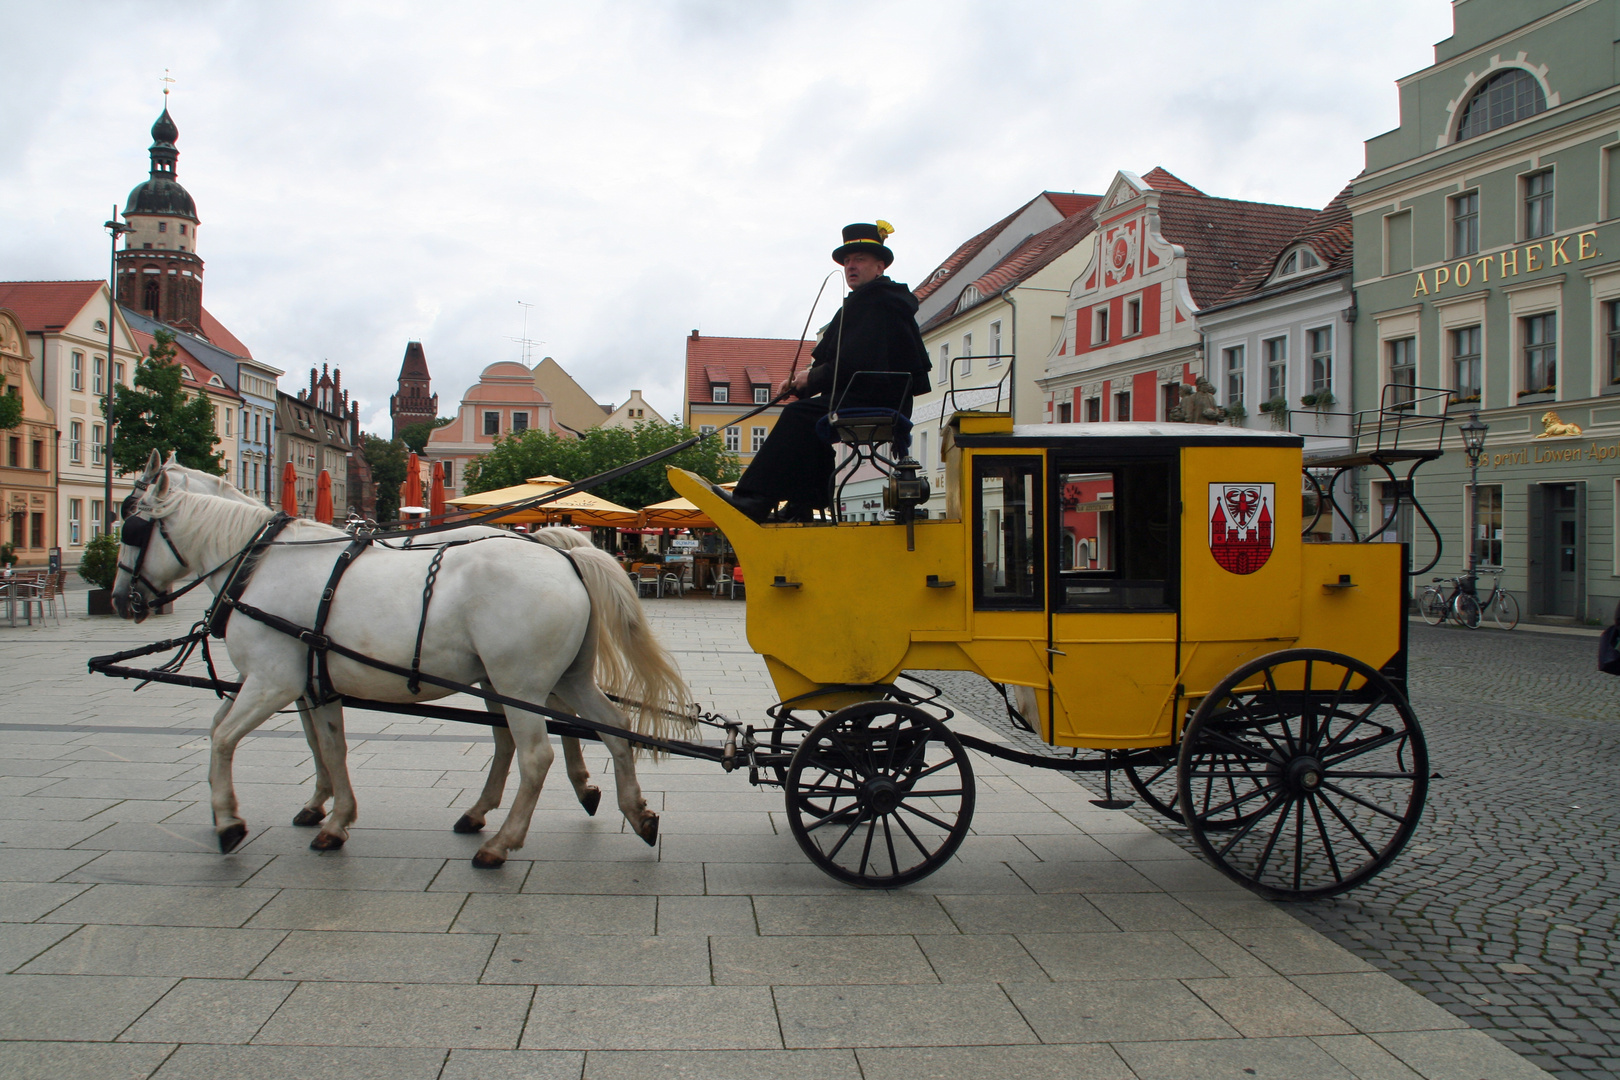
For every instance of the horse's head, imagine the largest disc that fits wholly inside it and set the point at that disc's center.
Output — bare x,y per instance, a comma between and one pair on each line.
148,561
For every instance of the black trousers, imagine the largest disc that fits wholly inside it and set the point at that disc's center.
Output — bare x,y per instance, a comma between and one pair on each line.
794,464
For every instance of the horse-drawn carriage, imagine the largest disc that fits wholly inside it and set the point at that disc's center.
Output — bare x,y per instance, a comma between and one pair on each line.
1143,587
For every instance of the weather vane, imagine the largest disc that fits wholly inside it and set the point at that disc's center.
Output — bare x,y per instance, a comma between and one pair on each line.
166,81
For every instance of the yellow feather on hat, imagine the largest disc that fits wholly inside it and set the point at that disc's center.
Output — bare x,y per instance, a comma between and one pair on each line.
885,230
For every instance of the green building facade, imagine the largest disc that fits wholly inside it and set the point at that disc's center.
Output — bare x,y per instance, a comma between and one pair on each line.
1487,277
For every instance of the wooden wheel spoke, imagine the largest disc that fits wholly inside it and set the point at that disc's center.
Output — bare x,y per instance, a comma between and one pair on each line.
835,817
1271,844
1355,832
1360,718
1327,843
1248,826
1366,747
842,840
1239,800
931,819
888,842
1359,801
866,849
1234,746
900,821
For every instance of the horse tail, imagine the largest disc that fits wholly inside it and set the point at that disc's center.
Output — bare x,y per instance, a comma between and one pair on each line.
631,664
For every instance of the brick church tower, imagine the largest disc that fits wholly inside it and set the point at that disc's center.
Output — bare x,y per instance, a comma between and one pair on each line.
159,271
415,401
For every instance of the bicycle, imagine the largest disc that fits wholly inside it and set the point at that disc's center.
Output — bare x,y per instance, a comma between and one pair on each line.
1502,606
1461,605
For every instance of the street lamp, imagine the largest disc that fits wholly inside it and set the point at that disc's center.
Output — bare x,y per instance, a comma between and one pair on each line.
116,228
1473,436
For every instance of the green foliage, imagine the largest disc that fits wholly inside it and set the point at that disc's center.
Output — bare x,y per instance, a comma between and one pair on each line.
155,414
388,462
415,436
11,408
542,453
8,554
99,566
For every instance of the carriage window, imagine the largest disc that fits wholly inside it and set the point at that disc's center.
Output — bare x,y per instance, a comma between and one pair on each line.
1006,544
1114,537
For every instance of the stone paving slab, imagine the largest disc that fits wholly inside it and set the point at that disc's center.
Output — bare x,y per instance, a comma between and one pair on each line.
1061,941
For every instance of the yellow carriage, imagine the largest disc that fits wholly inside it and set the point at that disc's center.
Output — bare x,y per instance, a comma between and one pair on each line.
1144,591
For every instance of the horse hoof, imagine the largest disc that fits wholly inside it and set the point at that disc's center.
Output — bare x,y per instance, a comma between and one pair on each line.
485,861
465,824
649,829
326,842
591,800
306,817
231,837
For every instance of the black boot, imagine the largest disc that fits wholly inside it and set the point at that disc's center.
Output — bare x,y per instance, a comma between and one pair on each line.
753,507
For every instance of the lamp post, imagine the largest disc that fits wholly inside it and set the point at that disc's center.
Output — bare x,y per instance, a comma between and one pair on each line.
1473,436
116,228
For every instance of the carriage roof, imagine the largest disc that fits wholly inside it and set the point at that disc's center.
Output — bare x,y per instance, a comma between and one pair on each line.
1135,435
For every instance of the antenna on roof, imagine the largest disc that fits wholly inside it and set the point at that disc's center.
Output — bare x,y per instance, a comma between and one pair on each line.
168,82
528,343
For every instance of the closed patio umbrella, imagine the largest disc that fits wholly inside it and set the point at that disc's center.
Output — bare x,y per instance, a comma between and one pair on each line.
436,495
580,508
323,498
289,489
411,493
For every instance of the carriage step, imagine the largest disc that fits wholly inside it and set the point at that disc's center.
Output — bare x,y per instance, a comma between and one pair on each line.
1114,804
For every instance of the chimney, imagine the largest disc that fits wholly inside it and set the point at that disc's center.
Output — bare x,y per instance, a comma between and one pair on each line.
314,382
694,335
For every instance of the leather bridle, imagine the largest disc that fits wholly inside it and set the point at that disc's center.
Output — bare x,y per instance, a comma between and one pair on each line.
136,531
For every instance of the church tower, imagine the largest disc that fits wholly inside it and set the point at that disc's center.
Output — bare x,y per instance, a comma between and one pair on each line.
159,271
415,401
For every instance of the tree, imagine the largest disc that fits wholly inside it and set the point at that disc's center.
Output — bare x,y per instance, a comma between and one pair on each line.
542,453
388,463
416,435
11,408
155,414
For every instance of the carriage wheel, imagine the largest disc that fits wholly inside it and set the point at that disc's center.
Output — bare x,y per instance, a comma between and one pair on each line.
786,735
1155,783
1329,768
1219,806
880,794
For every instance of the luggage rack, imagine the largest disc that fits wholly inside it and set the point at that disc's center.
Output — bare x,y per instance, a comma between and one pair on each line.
1406,430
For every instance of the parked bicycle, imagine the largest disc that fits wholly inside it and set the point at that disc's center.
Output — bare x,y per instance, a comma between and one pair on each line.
1463,604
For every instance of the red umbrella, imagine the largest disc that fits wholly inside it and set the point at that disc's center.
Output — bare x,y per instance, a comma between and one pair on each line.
436,495
323,498
412,495
289,489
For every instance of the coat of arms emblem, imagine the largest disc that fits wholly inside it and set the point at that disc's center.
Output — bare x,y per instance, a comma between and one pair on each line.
1241,519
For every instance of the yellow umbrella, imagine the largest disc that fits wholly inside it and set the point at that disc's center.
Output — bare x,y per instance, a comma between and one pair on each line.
678,513
581,508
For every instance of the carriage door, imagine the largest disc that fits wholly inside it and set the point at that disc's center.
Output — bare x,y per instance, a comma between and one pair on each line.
1113,536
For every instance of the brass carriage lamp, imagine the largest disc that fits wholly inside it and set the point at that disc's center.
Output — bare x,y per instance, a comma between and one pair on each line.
1473,436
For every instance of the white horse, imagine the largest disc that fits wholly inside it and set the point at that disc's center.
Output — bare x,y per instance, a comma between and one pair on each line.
313,812
525,620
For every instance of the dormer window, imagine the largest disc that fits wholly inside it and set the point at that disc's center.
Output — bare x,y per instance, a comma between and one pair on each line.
1301,260
721,393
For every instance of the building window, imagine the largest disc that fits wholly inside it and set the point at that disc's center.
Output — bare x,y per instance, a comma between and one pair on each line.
97,519
19,528
14,452
1541,354
182,230
1093,410
150,294
967,354
1298,261
1235,360
945,360
1538,204
1321,343
1065,412
75,441
96,441
1402,354
36,530
706,429
75,513
450,473
39,453
118,372
720,393
1611,312
1133,317
759,434
520,421
1488,533
492,423
1100,333
228,413
1506,98
1276,354
1172,398
1465,225
100,376
1122,405
163,226
734,439
762,394
78,371
995,343
1465,363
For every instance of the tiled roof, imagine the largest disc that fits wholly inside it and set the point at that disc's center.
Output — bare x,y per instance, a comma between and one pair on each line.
1162,180
962,254
415,363
1225,238
1328,234
190,367
215,332
46,305
728,361
1070,203
1033,254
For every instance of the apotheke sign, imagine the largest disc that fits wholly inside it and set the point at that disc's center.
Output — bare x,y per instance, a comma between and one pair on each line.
1505,264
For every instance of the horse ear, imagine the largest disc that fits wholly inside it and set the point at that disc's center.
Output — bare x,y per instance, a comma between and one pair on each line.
162,484
153,464
174,455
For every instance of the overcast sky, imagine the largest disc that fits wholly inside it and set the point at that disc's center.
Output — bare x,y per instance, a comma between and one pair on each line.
370,174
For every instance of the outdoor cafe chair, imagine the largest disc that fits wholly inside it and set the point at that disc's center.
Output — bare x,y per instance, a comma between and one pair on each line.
648,577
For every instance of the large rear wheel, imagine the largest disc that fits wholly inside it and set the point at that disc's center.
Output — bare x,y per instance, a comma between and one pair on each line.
880,794
1432,606
1327,771
1465,610
1505,610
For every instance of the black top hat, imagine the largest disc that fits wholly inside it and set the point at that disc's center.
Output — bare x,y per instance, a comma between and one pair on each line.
868,238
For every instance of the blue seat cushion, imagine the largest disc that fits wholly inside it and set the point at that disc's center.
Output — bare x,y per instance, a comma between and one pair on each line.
861,425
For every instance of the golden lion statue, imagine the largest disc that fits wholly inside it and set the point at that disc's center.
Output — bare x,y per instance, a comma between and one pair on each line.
1553,428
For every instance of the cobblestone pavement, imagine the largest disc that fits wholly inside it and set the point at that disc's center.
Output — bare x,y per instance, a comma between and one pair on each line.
1060,942
1503,909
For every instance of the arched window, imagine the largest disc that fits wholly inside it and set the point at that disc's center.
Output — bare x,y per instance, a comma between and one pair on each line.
149,296
1504,99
